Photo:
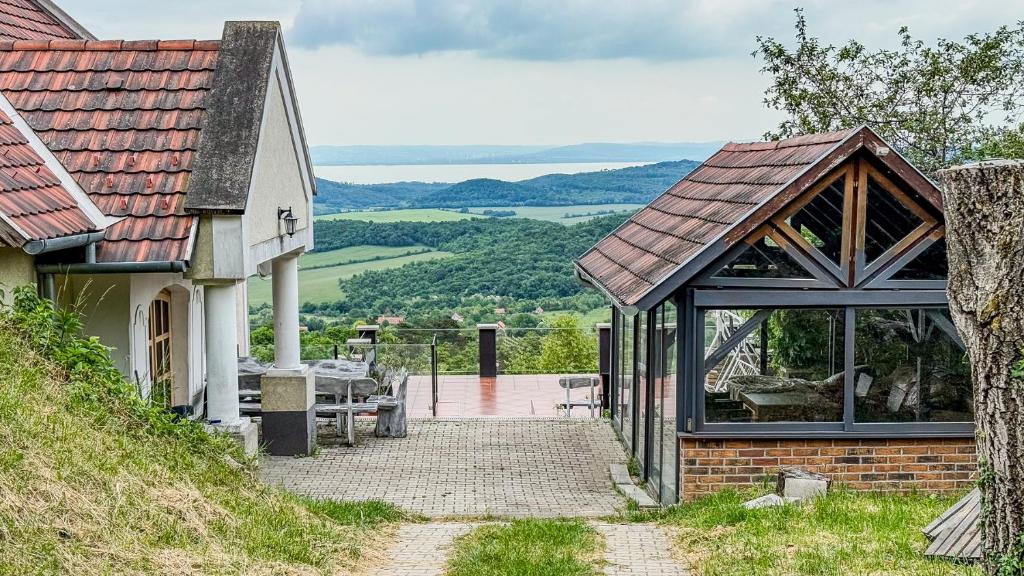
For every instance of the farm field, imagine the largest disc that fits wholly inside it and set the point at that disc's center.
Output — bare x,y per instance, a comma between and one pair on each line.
355,254
321,284
557,213
405,215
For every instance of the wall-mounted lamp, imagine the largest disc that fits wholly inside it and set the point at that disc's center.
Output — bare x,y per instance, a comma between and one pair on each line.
289,220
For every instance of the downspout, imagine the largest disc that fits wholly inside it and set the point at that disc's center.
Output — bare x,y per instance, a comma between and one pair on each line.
47,285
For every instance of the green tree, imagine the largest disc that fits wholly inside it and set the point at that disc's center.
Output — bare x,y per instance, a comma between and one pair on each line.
938,105
567,349
520,354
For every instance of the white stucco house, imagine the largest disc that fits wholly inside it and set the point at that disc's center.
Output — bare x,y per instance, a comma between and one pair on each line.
143,182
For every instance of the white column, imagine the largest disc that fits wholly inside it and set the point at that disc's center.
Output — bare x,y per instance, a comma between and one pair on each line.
221,353
285,271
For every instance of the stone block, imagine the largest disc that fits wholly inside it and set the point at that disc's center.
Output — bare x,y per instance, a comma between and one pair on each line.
288,390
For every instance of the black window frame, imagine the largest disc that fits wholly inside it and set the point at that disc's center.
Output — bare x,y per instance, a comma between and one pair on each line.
692,375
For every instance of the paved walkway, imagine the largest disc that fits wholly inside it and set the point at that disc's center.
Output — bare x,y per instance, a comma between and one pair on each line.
638,550
516,467
422,549
630,549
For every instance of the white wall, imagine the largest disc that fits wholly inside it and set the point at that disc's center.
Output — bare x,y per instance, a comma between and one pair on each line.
188,355
16,269
115,309
277,177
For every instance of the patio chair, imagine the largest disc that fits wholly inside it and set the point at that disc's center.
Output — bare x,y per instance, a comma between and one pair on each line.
571,383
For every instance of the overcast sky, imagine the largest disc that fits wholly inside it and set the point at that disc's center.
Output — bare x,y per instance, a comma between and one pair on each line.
536,71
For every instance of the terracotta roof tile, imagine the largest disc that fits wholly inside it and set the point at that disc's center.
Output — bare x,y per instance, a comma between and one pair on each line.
24,20
32,198
706,203
124,118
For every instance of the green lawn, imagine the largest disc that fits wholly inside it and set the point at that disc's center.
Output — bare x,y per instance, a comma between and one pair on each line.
527,548
558,213
355,254
321,284
409,215
843,533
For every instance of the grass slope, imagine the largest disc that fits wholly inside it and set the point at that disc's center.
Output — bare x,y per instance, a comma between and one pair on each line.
843,533
93,481
408,215
321,284
527,548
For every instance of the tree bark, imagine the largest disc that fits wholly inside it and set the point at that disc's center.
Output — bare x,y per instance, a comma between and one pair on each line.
984,212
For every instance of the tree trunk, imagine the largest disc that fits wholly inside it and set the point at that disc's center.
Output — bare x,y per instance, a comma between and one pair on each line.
984,211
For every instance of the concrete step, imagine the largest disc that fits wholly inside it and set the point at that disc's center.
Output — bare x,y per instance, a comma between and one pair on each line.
624,482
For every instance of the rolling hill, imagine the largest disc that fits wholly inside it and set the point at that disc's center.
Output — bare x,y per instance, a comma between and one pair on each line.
633,185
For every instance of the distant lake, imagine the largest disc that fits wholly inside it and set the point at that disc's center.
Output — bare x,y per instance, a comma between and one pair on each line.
379,174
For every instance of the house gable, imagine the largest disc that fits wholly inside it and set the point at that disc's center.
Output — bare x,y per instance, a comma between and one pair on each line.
253,162
252,64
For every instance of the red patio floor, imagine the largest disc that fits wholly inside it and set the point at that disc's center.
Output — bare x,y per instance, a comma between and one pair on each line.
505,395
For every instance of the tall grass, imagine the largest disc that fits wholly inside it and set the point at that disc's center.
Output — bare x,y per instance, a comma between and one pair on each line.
845,532
93,480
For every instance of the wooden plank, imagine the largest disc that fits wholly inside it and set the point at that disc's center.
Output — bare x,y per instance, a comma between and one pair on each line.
932,530
957,531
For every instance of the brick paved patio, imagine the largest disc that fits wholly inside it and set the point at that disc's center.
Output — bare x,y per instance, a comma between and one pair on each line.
507,467
504,395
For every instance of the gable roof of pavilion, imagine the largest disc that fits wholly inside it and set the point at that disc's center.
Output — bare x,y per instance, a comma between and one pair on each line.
718,205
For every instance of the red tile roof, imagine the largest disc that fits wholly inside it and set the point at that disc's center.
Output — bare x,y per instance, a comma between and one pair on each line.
697,210
33,202
26,20
124,118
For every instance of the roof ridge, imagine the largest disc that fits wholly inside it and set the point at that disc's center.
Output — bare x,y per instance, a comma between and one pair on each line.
108,45
791,142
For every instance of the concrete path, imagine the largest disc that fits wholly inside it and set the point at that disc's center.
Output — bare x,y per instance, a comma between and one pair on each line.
422,549
515,467
638,550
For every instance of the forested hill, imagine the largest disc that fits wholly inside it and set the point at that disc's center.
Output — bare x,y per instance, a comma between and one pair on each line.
634,185
515,257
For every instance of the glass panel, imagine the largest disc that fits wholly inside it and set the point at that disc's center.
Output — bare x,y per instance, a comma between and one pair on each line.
657,400
909,368
820,222
789,368
888,221
763,259
617,369
626,399
670,441
929,265
641,389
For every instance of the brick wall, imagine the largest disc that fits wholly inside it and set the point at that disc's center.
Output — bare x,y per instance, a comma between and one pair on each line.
926,464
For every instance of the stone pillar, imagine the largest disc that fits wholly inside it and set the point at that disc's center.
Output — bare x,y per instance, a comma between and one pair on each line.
368,332
221,355
288,390
604,362
286,311
488,350
221,324
288,406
